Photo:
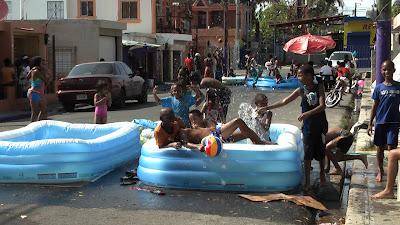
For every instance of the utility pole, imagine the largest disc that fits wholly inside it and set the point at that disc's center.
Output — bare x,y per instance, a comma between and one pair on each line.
237,36
225,60
355,9
383,34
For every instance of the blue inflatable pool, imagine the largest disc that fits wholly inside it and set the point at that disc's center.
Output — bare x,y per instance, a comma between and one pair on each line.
59,152
269,82
237,80
240,167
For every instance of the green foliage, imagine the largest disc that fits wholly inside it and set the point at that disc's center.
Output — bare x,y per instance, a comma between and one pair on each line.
279,12
275,13
395,9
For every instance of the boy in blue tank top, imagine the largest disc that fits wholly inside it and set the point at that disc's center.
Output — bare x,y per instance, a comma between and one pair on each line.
385,110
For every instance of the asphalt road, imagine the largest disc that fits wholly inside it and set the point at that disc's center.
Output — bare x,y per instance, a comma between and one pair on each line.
106,202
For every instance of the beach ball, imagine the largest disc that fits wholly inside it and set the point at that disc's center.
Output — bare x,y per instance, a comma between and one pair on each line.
212,146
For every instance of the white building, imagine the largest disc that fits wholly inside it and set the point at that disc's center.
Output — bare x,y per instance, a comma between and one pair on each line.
36,9
142,45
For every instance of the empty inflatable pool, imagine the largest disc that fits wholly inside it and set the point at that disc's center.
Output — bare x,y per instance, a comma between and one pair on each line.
59,152
240,167
267,82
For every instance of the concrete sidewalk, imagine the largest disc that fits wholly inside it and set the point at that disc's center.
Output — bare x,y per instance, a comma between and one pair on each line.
361,208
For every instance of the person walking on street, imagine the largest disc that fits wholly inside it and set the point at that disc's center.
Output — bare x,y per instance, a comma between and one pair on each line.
36,93
208,70
218,65
385,111
188,62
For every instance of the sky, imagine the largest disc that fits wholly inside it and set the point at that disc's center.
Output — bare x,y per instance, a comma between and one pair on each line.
362,6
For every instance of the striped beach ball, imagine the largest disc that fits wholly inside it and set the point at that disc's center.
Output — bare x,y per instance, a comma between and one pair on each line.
212,146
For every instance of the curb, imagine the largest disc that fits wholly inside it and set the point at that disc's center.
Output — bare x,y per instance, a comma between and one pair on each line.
7,118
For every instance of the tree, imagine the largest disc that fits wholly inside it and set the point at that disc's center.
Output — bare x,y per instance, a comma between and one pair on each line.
273,13
395,8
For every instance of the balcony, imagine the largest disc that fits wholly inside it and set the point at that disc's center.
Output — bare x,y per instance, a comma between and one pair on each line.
177,25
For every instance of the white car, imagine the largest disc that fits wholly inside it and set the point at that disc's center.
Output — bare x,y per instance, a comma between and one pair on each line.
339,56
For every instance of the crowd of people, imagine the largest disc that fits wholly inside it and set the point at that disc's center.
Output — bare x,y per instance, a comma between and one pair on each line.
26,79
184,122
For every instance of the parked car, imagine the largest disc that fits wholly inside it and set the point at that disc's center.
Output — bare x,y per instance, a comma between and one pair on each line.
80,84
339,56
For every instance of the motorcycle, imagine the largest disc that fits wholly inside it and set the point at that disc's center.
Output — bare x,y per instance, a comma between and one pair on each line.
333,98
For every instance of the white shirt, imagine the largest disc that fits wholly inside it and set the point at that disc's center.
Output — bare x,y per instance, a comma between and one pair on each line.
326,70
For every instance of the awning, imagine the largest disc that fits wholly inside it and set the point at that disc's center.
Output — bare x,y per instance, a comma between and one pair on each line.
136,44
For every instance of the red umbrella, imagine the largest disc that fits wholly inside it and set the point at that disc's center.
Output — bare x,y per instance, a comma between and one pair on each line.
3,9
309,44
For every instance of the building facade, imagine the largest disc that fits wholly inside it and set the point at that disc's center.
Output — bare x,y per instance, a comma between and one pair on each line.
36,9
208,26
156,38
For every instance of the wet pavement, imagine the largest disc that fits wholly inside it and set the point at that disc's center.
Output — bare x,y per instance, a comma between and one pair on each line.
106,202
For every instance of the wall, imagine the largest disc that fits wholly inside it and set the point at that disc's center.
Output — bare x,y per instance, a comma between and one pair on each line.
108,10
85,43
31,9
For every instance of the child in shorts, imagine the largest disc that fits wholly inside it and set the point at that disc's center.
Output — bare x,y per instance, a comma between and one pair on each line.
385,111
313,117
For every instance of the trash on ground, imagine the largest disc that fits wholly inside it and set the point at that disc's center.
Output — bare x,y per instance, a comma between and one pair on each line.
153,191
299,200
23,216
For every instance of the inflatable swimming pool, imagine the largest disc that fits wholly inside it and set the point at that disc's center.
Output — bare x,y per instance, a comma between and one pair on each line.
268,82
59,152
233,80
240,167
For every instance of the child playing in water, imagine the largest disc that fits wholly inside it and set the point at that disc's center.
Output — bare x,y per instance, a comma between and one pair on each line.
102,101
264,118
212,109
167,132
234,130
180,102
313,117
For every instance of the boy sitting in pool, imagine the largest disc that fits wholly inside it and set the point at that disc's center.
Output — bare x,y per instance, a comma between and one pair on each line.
167,132
226,132
264,118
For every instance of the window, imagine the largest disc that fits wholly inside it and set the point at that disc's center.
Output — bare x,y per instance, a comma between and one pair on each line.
9,5
64,61
55,10
129,9
87,8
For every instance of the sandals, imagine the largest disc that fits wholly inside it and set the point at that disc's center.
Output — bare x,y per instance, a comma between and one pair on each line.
129,178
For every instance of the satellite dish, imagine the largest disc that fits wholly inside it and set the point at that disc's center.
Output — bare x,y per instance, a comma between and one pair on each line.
3,10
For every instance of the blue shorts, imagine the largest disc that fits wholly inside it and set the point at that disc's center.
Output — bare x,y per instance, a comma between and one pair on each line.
35,97
386,134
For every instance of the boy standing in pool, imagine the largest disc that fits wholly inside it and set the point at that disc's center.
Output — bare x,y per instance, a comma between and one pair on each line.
263,119
179,101
313,117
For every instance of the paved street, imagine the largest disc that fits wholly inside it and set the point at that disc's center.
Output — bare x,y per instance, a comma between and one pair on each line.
106,202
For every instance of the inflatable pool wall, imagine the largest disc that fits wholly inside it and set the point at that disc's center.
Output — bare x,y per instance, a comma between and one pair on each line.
290,83
59,152
240,167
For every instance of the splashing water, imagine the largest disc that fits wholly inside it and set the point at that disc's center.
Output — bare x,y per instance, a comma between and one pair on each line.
249,115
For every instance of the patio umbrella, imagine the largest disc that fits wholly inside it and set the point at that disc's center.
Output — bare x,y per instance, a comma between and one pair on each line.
309,44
